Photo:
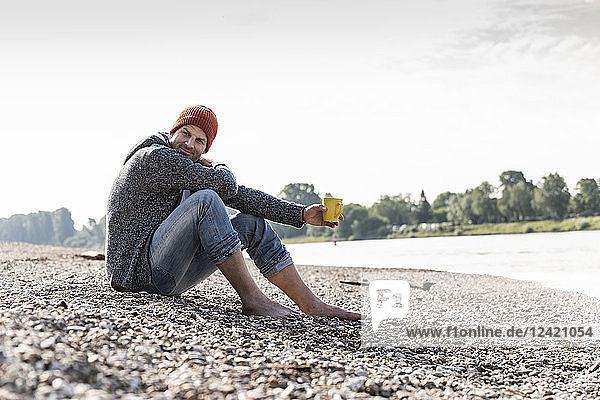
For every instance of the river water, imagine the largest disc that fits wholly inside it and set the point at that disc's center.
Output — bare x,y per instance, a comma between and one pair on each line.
565,260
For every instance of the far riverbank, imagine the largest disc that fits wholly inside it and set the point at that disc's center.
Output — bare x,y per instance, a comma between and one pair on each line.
566,225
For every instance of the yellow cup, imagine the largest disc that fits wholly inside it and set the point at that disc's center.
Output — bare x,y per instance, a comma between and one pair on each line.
334,209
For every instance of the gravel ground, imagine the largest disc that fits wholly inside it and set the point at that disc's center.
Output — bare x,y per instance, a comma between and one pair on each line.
64,333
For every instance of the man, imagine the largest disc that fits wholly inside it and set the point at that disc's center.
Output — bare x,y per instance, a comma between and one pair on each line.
159,240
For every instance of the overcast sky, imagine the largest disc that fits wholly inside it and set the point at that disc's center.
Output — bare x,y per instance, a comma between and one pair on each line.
359,98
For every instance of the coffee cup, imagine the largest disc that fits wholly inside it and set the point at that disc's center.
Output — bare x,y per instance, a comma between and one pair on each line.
334,209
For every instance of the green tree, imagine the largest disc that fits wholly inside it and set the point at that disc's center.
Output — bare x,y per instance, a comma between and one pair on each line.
11,229
511,178
62,225
352,212
396,210
440,207
483,205
587,199
440,215
517,193
373,227
552,198
91,236
38,228
442,200
302,193
319,231
423,211
516,200
42,227
459,208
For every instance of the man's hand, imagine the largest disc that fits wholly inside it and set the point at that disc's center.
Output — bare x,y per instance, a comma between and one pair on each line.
211,163
313,215
206,162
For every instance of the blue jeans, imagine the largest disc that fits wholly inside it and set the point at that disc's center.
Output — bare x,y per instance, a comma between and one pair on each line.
199,234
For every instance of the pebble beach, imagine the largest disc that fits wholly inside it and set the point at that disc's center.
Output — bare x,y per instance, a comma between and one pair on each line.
64,333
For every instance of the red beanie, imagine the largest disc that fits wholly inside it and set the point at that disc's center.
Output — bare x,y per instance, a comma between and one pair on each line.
202,117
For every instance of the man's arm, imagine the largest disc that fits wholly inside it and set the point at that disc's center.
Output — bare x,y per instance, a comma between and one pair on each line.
171,170
258,203
261,204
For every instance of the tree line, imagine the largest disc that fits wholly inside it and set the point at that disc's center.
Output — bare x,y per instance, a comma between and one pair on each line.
515,199
53,228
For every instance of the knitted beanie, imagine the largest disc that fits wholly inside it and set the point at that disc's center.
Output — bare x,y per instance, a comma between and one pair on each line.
202,117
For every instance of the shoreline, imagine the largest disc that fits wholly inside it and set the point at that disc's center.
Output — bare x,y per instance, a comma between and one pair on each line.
507,228
563,260
65,333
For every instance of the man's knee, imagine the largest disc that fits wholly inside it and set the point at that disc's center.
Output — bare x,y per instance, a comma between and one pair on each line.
207,197
248,219
248,223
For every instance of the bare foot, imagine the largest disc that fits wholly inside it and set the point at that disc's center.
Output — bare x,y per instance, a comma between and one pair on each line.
268,308
322,309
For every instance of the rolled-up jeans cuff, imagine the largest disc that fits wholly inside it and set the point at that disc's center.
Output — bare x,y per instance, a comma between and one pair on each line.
276,268
228,253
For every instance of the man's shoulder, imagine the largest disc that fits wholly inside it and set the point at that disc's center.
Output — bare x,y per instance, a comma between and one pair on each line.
159,140
157,156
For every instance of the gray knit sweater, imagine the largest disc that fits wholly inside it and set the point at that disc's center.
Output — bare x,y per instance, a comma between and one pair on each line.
149,187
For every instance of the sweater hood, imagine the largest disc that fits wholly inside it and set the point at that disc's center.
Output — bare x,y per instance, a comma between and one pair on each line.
160,138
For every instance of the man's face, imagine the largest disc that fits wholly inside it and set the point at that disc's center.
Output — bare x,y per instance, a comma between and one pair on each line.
190,141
